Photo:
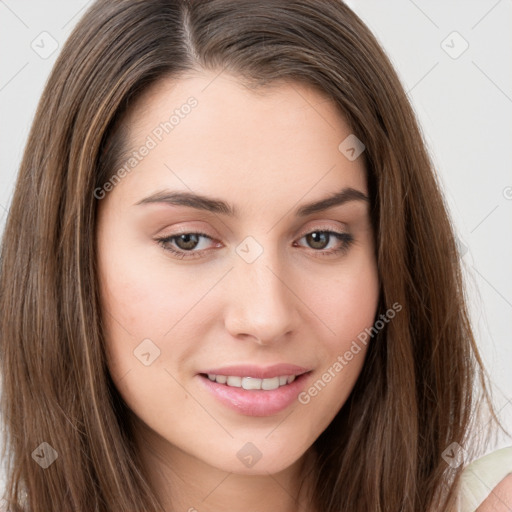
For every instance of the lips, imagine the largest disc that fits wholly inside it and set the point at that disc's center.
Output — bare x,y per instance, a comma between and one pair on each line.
255,391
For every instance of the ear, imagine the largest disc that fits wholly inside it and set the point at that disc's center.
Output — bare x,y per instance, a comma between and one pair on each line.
500,498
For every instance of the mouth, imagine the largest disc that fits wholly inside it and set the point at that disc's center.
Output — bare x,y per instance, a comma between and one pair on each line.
255,396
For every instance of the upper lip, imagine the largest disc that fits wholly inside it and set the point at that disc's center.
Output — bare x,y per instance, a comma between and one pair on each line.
258,372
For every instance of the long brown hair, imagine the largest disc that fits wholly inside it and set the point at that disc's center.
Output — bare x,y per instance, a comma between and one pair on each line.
415,395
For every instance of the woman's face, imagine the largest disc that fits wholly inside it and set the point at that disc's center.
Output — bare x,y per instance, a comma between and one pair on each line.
272,289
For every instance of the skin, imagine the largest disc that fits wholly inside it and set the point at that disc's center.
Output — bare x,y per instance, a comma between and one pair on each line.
500,499
267,153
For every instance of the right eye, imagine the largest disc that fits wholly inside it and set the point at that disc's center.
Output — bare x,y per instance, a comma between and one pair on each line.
185,242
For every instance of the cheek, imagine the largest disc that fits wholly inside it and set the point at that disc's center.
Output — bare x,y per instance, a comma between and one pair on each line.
347,303
143,295
348,306
136,305
144,317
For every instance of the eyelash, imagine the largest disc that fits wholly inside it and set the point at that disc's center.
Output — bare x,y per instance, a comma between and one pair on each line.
345,238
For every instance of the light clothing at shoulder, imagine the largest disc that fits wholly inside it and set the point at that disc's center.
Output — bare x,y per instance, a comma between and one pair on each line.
482,476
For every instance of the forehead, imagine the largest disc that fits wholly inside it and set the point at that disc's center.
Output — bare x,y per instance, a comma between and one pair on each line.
208,132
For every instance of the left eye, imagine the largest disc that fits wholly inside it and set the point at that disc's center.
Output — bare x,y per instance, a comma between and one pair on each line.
187,243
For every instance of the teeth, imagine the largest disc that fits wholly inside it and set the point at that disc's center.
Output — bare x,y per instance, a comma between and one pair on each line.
248,383
252,383
235,382
269,384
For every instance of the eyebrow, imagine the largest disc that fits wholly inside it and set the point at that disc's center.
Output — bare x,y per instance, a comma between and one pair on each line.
214,205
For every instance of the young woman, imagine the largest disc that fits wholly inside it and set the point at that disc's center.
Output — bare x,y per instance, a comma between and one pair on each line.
229,280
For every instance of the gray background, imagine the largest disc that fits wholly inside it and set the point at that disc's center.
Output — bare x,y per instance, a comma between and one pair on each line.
463,100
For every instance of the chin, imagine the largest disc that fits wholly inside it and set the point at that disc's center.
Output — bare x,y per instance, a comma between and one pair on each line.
256,459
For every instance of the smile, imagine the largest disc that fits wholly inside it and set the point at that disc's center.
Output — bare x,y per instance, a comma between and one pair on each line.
255,391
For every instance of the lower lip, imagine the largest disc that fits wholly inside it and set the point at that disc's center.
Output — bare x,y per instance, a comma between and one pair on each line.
256,402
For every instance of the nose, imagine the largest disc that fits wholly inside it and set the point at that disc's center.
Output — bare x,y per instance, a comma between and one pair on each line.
260,303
